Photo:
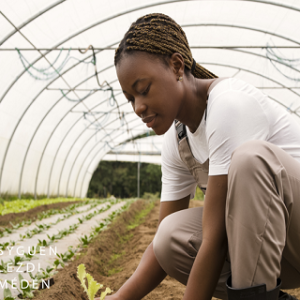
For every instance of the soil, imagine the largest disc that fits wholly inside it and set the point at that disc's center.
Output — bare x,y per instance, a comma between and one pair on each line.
31,214
113,256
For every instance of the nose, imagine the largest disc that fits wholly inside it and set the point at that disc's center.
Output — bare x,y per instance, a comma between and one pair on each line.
139,107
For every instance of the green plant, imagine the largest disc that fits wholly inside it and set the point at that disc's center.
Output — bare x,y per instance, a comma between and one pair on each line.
25,291
3,267
3,246
42,275
93,286
43,243
30,254
17,260
85,240
7,294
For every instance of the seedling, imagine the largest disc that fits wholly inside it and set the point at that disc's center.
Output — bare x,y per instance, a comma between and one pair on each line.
85,240
8,230
43,243
51,238
30,254
25,288
7,294
3,267
42,275
17,226
93,286
17,260
4,246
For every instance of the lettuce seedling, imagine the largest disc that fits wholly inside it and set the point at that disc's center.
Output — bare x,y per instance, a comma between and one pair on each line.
93,286
7,294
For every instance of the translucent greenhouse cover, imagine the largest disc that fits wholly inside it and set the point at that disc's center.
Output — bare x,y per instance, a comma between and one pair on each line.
144,150
57,120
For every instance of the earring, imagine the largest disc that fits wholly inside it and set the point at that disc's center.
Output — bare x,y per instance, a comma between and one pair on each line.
180,78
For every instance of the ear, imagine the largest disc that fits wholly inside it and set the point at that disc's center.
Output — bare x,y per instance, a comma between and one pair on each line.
177,64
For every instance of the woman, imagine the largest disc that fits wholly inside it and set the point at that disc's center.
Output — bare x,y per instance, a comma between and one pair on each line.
249,227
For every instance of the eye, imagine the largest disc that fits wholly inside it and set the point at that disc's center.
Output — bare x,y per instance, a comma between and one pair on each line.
145,92
130,101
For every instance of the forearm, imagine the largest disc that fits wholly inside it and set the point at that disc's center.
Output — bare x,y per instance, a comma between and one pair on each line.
146,277
205,271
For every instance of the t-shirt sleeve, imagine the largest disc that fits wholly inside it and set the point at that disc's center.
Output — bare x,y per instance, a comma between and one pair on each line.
177,181
233,118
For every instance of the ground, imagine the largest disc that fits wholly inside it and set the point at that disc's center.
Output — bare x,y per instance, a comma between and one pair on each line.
114,255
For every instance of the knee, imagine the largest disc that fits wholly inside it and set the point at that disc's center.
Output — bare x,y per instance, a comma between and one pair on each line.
163,240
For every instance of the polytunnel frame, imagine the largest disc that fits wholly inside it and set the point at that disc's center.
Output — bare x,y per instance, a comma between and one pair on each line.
73,144
187,25
62,141
202,63
246,52
114,130
41,121
27,108
49,138
97,153
104,20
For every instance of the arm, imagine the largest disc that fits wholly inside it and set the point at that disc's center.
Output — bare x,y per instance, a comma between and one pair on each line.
211,256
148,273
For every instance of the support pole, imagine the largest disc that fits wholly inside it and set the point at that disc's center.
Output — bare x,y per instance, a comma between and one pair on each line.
138,178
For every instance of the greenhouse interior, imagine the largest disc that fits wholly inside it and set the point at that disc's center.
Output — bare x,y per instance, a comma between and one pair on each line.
86,178
62,109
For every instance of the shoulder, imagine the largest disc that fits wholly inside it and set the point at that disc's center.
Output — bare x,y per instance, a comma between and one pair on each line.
234,87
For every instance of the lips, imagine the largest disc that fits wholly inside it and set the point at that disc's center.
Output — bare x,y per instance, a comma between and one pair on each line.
149,120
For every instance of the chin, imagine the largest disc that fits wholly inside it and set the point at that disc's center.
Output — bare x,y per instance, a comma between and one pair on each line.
160,130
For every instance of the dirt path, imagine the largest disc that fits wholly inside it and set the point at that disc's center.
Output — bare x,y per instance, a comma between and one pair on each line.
113,257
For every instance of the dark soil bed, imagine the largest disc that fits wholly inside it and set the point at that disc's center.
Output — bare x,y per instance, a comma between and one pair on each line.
31,214
113,256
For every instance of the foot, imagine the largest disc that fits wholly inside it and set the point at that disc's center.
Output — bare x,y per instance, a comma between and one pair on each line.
285,296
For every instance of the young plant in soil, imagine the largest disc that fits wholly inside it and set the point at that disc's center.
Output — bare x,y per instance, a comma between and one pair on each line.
3,246
42,275
17,260
93,286
3,267
7,294
25,288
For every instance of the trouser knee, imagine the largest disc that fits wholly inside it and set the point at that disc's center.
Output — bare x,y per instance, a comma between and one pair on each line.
163,245
177,242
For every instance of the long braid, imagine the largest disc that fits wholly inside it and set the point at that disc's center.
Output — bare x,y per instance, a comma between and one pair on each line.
159,34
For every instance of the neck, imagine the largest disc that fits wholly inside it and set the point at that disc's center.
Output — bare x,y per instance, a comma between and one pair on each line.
194,103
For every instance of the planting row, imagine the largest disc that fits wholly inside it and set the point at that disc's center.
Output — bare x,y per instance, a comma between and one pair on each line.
25,205
43,258
67,212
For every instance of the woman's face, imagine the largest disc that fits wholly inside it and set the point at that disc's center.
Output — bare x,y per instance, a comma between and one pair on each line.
152,88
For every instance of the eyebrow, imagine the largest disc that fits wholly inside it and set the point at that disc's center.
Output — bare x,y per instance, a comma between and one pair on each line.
136,82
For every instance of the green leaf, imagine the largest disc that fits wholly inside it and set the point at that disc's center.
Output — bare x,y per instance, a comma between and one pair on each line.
103,294
93,286
7,294
81,274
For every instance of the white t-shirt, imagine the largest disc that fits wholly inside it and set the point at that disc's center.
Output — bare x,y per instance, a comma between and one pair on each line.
236,112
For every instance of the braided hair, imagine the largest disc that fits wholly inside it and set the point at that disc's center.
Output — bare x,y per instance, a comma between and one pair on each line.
160,35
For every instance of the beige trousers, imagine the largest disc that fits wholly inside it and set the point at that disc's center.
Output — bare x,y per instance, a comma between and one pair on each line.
262,223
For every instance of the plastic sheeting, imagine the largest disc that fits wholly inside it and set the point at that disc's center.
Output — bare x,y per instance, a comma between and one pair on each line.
55,127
